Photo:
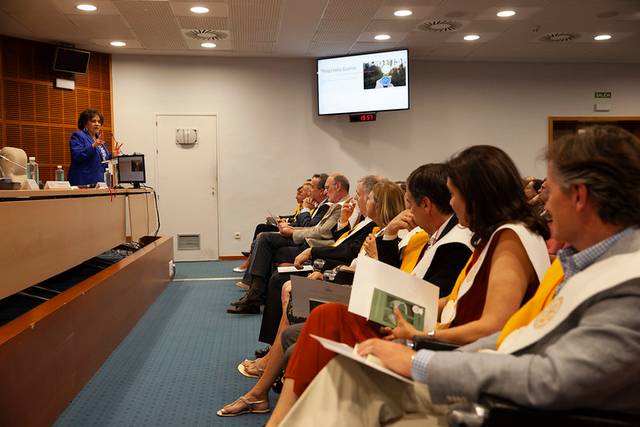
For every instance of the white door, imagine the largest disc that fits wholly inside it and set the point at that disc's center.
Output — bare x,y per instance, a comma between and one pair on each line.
187,184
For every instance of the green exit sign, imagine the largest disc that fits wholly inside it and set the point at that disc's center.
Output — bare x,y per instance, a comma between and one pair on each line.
602,95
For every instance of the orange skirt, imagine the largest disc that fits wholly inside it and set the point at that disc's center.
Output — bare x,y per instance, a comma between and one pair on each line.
332,321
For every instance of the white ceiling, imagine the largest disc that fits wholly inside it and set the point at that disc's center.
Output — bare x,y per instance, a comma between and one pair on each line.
313,28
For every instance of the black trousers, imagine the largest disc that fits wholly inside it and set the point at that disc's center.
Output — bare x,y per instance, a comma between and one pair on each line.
273,307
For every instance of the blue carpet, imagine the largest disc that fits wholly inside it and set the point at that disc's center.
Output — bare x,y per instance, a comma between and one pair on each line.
178,364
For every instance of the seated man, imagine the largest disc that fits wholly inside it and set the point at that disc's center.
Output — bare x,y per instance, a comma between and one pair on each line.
574,345
285,245
303,201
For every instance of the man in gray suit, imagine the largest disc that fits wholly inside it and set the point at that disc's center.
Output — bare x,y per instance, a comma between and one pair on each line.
575,345
286,244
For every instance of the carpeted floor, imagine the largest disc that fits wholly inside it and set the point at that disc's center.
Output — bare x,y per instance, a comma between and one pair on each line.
178,364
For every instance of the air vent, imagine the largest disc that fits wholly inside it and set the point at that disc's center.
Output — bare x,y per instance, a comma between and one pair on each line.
208,34
559,37
188,242
439,26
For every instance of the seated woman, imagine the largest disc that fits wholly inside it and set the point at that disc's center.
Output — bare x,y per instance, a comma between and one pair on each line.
383,203
502,274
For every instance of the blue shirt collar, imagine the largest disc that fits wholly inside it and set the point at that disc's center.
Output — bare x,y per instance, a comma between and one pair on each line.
574,262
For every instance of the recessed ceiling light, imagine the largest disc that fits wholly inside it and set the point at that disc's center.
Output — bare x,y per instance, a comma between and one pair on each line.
403,12
199,9
117,43
382,37
208,45
506,13
602,37
471,37
86,7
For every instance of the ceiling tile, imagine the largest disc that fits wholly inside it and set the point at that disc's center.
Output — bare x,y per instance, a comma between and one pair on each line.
208,22
153,23
102,26
405,25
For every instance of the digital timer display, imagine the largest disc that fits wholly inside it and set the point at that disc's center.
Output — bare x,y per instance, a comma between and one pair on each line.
363,117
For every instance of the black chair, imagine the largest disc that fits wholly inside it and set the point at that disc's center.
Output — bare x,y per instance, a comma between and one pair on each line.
426,343
496,412
492,411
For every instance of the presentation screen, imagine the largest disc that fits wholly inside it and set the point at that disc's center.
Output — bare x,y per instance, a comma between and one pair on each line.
371,82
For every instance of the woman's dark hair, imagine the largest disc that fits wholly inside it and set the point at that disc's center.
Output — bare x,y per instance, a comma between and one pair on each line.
86,116
491,187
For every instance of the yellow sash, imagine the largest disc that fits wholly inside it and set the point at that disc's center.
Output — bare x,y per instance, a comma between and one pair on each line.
346,233
545,293
463,275
295,214
413,250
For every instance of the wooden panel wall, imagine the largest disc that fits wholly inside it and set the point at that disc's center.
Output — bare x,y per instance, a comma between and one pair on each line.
36,116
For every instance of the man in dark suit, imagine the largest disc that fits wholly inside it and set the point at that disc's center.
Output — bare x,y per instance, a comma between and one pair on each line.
284,246
449,247
343,252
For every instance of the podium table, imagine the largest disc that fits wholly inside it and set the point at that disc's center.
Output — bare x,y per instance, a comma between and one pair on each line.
49,353
49,231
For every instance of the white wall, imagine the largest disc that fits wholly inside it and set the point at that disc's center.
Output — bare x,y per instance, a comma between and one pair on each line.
270,138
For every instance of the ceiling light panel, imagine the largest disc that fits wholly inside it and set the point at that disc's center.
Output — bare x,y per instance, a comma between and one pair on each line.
199,10
86,7
491,14
419,12
219,10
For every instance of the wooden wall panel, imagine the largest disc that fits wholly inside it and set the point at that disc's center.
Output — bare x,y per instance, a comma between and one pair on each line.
36,116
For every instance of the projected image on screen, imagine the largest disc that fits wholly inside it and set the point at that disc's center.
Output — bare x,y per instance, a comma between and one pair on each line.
385,73
368,82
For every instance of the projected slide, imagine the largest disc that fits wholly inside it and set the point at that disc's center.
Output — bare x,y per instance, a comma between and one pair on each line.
361,83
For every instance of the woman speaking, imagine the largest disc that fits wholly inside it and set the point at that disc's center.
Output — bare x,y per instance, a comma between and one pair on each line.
88,150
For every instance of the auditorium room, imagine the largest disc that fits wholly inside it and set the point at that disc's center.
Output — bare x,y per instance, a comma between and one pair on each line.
319,213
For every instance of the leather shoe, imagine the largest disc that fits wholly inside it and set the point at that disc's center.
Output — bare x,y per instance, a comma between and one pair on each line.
244,309
262,351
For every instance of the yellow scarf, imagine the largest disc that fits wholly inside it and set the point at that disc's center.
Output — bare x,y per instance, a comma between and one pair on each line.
545,293
413,250
295,213
346,233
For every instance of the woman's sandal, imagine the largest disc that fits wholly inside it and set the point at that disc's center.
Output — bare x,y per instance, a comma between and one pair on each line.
248,372
248,408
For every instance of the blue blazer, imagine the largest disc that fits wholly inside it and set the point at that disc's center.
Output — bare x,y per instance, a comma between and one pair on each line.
86,162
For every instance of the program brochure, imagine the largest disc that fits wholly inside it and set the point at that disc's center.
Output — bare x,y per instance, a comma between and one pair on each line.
379,288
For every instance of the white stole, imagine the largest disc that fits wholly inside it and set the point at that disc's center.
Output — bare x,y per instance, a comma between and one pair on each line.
598,277
536,250
457,234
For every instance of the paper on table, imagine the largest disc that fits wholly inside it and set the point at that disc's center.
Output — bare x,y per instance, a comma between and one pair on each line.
372,274
292,269
349,352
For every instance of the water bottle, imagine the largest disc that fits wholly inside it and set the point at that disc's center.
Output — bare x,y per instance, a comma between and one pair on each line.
32,170
59,173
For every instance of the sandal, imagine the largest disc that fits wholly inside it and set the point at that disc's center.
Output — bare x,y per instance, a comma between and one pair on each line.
248,408
242,368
